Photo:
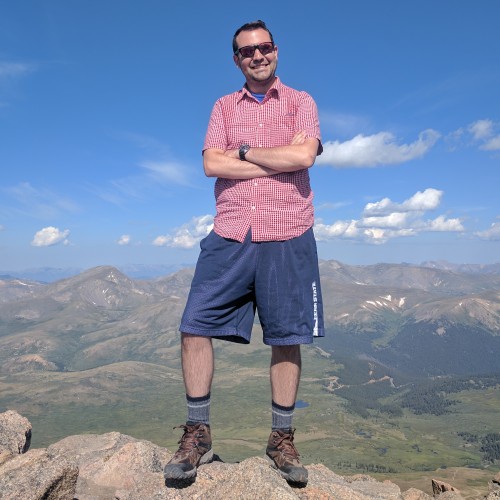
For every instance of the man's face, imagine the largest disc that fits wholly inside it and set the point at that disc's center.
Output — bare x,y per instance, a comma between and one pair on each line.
259,69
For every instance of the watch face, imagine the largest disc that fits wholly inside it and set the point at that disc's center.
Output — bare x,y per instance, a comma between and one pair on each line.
243,151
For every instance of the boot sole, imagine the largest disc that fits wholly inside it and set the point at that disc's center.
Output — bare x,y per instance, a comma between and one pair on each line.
174,471
298,479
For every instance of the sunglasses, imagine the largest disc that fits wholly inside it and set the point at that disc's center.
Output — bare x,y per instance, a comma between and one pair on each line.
249,50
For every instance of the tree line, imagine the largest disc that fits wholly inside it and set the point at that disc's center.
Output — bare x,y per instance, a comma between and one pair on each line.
430,396
421,397
489,444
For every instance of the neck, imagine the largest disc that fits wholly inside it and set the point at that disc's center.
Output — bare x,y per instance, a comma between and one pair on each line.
260,87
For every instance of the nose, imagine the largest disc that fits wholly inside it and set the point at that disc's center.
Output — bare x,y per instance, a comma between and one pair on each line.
258,56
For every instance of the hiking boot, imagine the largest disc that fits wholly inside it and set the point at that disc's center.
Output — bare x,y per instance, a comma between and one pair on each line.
195,449
285,457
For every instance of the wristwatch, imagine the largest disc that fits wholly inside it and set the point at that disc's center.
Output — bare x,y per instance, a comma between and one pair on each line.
243,151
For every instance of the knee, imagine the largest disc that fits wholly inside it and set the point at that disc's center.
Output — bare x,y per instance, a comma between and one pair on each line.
290,353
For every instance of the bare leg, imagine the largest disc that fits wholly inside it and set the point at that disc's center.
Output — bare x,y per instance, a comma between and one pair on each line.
197,364
285,374
285,377
196,442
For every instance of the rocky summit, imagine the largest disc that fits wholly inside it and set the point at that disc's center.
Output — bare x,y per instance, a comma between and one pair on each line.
116,466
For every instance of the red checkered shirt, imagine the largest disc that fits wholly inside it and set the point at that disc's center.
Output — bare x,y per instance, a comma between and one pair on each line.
278,207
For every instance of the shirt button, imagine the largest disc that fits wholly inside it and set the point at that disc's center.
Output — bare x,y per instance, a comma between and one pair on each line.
260,125
253,207
255,183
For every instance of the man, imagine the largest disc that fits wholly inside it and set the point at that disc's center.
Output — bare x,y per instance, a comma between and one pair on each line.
260,143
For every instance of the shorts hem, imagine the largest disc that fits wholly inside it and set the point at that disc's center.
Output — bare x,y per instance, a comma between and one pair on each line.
320,334
231,336
292,340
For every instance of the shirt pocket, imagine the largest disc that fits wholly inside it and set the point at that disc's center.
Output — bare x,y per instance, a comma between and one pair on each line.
241,133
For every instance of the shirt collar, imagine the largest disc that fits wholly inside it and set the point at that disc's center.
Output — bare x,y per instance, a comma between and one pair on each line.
274,90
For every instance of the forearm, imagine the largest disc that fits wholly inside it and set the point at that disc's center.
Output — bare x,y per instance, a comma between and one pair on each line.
227,165
261,162
285,158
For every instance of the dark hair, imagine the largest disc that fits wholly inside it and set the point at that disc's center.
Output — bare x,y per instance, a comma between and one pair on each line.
254,25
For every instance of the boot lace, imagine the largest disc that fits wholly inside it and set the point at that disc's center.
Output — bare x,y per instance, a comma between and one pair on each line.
285,445
189,439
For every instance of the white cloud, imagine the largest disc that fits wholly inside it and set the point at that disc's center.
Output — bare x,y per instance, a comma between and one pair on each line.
337,229
481,129
155,175
10,73
483,133
356,230
162,241
49,236
385,220
492,233
14,69
39,203
423,200
188,235
375,150
420,201
454,140
492,145
442,224
167,171
146,142
124,240
396,219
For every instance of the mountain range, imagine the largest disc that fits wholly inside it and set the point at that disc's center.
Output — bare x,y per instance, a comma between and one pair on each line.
421,320
151,271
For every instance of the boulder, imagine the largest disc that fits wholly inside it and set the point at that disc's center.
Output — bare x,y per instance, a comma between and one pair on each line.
444,490
414,494
15,433
111,462
37,475
494,484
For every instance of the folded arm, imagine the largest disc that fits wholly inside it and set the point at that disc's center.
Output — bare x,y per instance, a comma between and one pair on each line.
261,162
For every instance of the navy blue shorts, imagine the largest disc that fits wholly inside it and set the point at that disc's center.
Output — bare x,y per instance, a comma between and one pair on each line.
278,278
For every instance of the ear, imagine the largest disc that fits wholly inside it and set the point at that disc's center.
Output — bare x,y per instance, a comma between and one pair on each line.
236,60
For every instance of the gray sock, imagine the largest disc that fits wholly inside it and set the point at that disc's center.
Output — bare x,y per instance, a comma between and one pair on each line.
282,416
198,409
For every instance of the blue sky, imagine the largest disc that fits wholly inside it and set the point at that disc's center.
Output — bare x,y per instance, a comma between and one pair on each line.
104,106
